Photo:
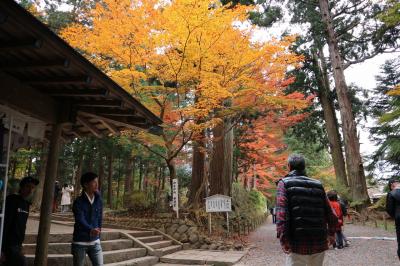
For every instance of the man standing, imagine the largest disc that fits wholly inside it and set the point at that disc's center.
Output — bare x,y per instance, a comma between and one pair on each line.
16,216
393,207
88,212
305,221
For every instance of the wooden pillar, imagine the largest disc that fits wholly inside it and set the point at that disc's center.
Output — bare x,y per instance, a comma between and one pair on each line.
47,199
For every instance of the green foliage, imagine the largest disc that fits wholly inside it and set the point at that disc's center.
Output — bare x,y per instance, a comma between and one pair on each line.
317,159
380,205
391,13
259,201
247,204
267,13
184,175
386,109
137,201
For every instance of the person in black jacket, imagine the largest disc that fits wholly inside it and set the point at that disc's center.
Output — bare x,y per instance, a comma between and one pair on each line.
16,217
393,207
306,223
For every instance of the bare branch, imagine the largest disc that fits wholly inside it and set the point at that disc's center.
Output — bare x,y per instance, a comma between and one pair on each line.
349,63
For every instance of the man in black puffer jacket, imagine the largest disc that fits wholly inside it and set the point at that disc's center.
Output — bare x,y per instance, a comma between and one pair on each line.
305,219
393,207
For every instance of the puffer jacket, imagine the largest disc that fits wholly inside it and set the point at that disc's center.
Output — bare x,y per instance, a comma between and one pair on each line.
393,204
307,207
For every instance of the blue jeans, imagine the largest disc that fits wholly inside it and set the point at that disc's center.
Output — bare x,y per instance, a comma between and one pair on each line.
339,239
94,252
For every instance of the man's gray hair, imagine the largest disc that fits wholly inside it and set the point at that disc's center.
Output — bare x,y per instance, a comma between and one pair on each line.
296,162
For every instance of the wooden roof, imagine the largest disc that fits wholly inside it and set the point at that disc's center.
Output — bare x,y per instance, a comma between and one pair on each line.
44,77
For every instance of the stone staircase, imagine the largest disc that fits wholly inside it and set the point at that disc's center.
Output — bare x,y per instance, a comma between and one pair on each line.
118,250
139,247
160,243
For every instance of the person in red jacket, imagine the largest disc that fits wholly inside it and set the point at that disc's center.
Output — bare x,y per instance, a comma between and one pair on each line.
335,204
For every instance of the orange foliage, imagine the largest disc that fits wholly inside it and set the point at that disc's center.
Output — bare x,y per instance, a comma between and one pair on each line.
265,159
170,52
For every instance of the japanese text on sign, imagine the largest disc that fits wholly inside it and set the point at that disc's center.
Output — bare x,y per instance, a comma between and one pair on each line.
218,203
175,200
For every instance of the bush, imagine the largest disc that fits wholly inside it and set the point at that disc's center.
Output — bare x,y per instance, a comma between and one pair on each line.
247,204
138,201
380,205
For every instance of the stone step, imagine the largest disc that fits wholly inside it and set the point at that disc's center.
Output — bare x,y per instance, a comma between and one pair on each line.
170,249
171,264
112,256
180,262
65,248
123,255
62,217
67,237
143,261
148,239
141,233
160,244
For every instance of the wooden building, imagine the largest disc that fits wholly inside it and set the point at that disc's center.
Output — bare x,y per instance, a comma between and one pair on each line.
48,90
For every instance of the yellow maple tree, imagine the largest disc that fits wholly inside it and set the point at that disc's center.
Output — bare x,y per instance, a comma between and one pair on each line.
192,62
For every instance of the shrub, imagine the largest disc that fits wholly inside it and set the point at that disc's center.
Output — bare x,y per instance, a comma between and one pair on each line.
137,201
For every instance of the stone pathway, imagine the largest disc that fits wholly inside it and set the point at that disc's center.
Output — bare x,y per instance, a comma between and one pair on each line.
365,251
32,227
203,257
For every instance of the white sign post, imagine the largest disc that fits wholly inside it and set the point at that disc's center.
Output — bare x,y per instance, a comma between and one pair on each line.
175,197
218,203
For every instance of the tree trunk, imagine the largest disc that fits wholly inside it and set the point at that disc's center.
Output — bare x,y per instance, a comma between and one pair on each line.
37,200
354,163
90,160
217,164
101,173
146,176
172,171
77,187
109,181
133,174
128,175
140,174
197,184
228,157
163,178
331,123
118,193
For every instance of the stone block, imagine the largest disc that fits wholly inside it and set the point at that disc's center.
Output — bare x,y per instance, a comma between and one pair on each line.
193,238
182,229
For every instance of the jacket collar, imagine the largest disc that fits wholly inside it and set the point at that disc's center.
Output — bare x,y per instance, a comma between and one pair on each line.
84,197
296,173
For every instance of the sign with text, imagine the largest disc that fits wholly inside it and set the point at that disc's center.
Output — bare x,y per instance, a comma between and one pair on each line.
175,199
218,203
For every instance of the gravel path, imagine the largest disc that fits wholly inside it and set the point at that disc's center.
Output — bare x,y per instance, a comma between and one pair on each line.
267,250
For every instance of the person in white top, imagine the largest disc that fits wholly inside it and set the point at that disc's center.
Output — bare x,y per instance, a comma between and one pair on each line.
66,197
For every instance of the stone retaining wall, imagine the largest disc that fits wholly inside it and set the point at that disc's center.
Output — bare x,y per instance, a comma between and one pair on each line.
185,231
